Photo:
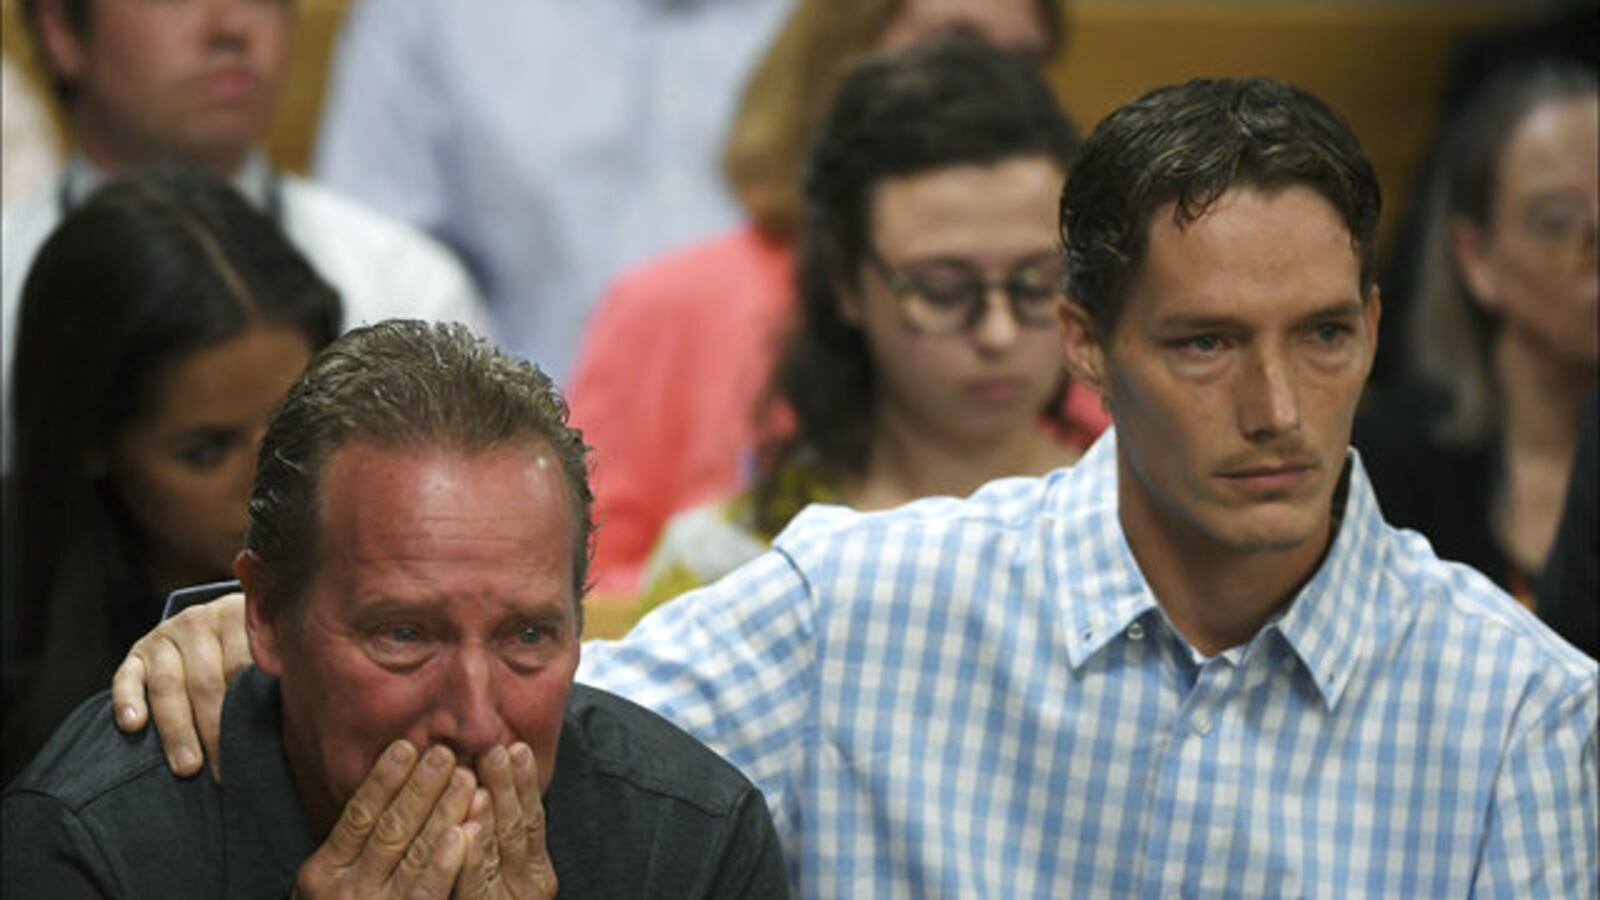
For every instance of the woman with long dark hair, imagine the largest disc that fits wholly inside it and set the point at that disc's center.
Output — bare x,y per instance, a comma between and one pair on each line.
161,324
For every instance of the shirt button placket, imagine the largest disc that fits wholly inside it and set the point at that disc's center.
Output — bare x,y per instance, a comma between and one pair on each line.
1218,683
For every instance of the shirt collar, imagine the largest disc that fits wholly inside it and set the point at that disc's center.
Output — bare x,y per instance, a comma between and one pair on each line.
1094,568
80,178
1327,626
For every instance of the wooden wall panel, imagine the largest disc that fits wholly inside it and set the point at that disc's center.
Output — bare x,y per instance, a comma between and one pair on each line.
1382,66
316,36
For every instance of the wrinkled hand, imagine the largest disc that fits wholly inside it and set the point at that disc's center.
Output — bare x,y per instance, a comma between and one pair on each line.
506,857
403,833
186,663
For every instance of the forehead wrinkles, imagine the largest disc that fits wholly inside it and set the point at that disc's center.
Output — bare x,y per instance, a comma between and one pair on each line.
1252,250
441,520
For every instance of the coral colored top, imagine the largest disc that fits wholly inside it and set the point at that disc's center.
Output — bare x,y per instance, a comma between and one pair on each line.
670,372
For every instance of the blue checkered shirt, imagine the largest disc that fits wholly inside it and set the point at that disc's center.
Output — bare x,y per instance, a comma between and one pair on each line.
982,698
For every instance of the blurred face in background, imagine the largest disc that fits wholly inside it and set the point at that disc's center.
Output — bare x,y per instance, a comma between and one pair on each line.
183,470
950,248
1536,264
192,79
1013,25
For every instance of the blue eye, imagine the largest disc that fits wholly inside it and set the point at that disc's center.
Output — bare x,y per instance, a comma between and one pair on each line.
1205,344
399,646
1331,333
530,648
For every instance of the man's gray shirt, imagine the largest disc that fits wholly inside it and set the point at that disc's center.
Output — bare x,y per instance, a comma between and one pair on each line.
636,809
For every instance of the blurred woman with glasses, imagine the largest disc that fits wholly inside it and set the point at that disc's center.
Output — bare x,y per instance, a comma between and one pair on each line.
926,359
1475,449
675,356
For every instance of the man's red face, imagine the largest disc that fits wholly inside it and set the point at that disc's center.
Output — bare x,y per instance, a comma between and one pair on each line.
442,613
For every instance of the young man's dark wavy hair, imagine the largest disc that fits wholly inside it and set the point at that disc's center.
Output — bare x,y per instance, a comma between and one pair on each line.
1187,145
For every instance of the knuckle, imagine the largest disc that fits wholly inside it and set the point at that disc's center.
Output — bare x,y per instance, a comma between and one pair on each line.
357,819
165,680
204,648
194,618
207,690
312,878
511,827
417,855
390,832
162,652
535,826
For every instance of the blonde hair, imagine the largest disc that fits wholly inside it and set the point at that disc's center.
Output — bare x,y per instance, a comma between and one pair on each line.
787,95
785,99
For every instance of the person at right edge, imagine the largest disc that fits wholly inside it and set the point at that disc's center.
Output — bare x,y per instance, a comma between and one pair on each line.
1473,447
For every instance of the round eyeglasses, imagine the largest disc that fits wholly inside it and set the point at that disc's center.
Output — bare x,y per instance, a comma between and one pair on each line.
947,297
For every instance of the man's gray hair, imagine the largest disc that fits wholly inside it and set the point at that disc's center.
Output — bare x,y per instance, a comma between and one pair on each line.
400,384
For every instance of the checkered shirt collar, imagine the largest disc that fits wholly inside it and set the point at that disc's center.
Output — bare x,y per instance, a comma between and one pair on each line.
1328,626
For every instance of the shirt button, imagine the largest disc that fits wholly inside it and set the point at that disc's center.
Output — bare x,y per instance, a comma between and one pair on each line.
1202,725
1136,632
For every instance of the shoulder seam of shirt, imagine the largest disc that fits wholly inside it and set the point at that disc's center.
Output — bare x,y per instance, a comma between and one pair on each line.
669,791
78,800
74,823
1560,656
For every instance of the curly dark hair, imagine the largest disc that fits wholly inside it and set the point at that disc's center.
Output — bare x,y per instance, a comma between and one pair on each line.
400,384
1188,145
951,102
